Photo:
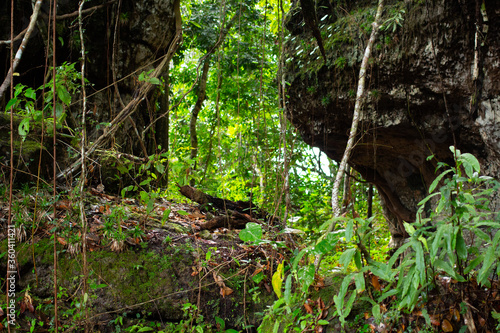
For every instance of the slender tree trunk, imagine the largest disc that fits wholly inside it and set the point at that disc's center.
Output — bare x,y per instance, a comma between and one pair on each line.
355,120
19,52
163,125
202,94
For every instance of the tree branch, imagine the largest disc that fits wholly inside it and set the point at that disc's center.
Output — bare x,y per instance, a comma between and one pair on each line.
6,83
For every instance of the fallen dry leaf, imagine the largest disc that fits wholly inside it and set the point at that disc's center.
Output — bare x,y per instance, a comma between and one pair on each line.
376,283
225,291
435,320
219,280
308,307
446,326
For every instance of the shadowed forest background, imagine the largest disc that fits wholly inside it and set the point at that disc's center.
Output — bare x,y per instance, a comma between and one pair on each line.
249,166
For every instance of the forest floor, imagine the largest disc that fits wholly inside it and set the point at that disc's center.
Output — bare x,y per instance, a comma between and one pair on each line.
156,264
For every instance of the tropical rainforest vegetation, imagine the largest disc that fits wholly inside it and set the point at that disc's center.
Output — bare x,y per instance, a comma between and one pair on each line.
213,118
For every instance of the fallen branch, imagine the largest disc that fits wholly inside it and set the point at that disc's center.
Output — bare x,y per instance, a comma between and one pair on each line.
233,220
227,207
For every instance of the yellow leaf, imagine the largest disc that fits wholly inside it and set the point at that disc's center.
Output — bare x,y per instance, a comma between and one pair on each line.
277,280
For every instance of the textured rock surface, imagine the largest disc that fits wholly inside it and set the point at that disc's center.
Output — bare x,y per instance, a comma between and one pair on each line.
418,72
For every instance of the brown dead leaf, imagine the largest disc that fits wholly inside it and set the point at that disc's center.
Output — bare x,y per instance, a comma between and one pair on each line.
257,271
456,314
308,307
320,282
62,241
219,280
63,205
435,320
376,283
367,315
225,291
320,304
446,326
1,312
482,321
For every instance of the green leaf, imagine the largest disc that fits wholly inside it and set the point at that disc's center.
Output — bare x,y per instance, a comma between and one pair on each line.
305,276
221,322
346,258
359,280
489,258
474,263
440,264
437,180
297,258
419,260
258,277
165,215
357,260
24,127
470,164
409,228
63,95
288,290
251,233
461,246
349,230
182,212
396,255
436,243
482,235
376,312
323,322
30,93
11,103
145,329
154,80
388,294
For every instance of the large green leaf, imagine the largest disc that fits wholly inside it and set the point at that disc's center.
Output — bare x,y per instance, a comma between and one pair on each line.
63,95
306,276
251,233
470,164
346,257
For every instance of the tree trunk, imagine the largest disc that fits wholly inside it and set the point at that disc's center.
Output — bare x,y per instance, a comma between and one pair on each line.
202,94
355,120
162,127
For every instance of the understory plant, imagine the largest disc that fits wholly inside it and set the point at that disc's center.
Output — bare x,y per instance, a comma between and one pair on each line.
459,239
